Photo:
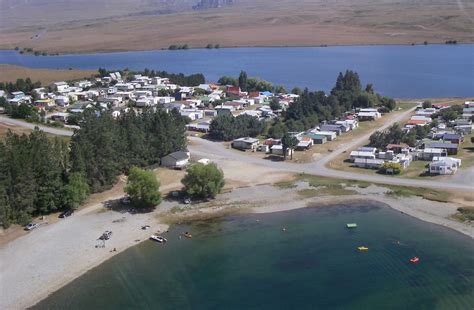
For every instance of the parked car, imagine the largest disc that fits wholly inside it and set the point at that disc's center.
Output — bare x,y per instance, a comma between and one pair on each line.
66,213
31,226
106,235
187,200
125,200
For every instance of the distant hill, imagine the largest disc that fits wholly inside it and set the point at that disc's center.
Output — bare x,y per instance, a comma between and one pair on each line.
117,25
212,4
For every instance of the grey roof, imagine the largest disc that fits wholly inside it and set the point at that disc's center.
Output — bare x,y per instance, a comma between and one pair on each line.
443,146
180,155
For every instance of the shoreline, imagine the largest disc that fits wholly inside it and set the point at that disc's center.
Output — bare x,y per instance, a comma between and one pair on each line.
226,204
164,49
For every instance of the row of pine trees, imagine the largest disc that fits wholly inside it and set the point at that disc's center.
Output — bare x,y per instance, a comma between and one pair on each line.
40,174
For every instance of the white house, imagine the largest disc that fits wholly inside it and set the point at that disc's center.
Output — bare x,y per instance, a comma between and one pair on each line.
361,155
60,87
444,165
278,150
245,143
371,163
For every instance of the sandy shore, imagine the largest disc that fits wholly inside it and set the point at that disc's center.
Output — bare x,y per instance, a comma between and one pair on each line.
42,261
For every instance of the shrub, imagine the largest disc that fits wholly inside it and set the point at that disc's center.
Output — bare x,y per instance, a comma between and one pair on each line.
390,168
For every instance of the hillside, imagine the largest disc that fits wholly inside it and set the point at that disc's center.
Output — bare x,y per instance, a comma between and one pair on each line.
79,26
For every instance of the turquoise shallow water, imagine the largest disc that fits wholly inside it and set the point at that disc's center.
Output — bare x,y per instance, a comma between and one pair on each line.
240,263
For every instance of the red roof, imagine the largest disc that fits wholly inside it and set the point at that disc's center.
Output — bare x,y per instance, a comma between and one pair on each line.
233,90
417,122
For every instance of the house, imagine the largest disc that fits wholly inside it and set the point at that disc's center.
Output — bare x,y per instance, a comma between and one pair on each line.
403,159
305,143
222,110
453,138
59,117
17,95
450,148
351,123
361,154
469,104
396,148
60,87
278,150
370,163
245,144
368,114
192,114
199,127
177,160
272,141
210,113
317,139
464,129
417,122
430,153
61,100
335,128
444,165
369,149
234,90
330,135
263,148
83,84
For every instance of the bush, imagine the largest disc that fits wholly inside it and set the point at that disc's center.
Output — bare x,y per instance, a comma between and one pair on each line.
203,181
390,168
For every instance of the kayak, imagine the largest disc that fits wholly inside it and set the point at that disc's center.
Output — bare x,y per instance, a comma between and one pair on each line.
362,248
414,260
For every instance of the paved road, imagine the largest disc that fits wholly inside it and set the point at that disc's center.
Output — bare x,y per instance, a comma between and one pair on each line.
54,131
212,150
218,151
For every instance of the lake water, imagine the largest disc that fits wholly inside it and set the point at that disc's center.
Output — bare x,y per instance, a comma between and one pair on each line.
240,263
397,71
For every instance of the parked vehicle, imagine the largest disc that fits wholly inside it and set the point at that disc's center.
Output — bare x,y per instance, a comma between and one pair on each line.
125,200
66,213
106,235
31,226
187,200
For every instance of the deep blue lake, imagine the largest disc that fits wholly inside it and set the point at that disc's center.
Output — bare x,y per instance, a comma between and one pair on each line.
248,262
398,71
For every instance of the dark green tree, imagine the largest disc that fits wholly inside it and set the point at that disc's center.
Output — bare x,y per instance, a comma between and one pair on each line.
143,188
203,181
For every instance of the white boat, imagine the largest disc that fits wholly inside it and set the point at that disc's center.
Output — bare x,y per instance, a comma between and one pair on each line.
157,238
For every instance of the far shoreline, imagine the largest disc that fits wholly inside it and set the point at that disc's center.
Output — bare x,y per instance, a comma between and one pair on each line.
164,49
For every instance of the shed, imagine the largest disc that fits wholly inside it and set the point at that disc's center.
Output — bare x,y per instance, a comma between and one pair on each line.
177,160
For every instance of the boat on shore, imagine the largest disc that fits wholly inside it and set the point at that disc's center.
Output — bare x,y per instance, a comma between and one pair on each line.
159,239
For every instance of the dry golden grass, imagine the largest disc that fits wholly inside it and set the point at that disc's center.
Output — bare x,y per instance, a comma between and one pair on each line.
15,129
258,23
10,73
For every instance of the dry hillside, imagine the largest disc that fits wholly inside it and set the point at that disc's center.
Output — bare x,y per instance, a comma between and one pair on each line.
144,25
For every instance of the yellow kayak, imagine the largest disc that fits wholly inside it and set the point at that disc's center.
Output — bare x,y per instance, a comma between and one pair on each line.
363,248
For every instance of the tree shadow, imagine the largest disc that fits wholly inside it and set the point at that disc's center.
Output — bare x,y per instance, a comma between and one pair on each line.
276,158
117,205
